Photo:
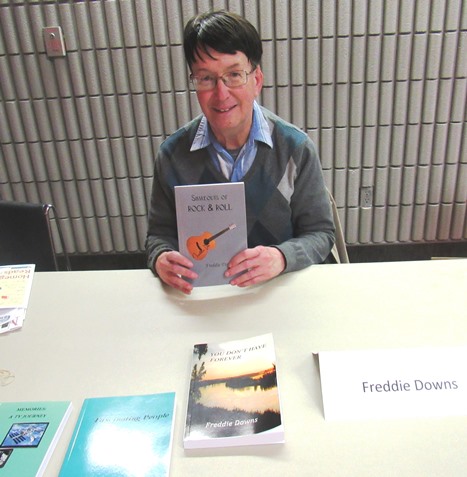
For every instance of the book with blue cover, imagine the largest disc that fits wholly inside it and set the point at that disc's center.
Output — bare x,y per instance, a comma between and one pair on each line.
211,224
29,432
122,436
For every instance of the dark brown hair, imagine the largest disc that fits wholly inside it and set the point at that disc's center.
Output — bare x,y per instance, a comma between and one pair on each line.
224,32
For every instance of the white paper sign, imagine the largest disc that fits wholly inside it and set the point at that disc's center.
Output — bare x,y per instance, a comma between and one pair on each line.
394,383
15,288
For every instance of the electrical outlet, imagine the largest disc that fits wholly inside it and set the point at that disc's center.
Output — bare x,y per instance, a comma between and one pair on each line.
366,197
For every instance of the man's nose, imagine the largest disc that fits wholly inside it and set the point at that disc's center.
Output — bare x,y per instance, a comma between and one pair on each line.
221,90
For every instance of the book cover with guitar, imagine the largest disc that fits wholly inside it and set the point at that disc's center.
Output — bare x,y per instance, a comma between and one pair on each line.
211,222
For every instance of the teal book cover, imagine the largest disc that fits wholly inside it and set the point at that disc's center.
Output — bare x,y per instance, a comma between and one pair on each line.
122,436
211,224
29,432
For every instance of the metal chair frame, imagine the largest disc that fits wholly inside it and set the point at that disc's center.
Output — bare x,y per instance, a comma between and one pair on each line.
26,235
339,250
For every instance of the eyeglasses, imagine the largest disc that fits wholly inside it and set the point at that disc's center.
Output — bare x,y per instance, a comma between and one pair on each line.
232,79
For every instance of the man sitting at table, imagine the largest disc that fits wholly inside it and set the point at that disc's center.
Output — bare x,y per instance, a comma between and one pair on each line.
294,228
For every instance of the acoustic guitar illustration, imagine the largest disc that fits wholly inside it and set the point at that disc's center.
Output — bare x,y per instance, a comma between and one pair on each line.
199,245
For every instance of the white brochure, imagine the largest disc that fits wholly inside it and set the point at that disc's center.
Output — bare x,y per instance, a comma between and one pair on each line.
396,383
15,288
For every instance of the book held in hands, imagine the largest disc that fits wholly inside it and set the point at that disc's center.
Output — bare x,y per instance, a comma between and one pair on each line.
211,223
29,432
125,435
233,396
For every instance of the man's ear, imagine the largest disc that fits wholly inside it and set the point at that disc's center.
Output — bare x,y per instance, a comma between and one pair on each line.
259,79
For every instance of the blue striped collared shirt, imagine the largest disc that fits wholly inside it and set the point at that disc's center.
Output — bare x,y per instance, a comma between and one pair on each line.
234,169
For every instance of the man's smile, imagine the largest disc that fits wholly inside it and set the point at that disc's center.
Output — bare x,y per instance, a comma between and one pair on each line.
224,110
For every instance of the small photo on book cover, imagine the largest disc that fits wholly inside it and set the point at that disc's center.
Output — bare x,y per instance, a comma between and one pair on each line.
4,456
233,397
25,434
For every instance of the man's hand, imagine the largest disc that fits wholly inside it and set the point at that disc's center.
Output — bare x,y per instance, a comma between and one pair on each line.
257,264
173,269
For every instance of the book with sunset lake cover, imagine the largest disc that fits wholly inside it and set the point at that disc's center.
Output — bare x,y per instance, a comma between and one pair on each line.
233,395
211,224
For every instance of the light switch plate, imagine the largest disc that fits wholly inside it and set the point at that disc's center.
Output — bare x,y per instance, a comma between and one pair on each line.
54,41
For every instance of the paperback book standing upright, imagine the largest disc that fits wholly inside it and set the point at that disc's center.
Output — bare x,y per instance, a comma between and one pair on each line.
211,222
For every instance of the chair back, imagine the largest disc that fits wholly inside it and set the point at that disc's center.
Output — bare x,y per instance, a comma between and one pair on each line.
339,250
26,237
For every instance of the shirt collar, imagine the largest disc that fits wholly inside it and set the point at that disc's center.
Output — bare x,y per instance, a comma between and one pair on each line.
259,131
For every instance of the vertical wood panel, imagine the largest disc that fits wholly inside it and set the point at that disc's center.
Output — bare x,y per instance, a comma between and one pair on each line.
381,87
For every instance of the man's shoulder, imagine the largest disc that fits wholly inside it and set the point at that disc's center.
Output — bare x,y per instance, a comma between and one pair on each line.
182,137
281,126
284,131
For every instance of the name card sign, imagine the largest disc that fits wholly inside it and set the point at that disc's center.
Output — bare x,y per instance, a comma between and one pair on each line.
399,383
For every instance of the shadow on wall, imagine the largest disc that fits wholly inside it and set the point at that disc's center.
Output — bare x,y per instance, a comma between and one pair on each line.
405,252
118,261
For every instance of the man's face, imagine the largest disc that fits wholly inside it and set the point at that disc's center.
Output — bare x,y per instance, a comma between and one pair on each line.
229,111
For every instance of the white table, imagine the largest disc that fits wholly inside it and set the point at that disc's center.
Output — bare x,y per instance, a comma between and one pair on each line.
109,333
